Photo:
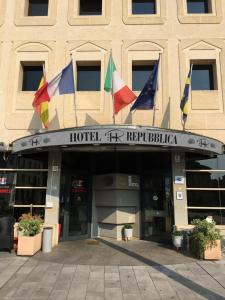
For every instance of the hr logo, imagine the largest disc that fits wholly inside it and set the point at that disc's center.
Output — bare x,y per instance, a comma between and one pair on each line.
114,135
35,141
203,143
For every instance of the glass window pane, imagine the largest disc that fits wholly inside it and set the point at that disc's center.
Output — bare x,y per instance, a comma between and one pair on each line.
203,198
90,7
88,78
140,7
140,75
18,211
33,179
203,179
31,77
202,77
218,215
38,8
197,6
30,196
197,161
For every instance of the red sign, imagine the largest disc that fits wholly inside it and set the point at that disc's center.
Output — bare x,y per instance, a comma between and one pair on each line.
5,191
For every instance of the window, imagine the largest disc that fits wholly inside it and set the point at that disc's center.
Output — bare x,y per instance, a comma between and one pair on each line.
198,7
141,70
142,7
31,77
89,77
203,77
37,8
90,7
205,187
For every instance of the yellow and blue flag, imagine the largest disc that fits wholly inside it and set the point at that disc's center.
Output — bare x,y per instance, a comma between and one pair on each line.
184,99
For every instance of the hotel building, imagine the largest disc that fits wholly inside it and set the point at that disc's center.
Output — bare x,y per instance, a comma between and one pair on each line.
92,174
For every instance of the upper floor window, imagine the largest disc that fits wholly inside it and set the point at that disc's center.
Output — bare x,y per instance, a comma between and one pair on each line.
89,76
199,6
203,77
141,70
140,7
31,76
38,8
90,7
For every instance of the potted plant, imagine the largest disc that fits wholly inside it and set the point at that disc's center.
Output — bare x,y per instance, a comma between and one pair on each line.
205,240
29,234
177,238
128,232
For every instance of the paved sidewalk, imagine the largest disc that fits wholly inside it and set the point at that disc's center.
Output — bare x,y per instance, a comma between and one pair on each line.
28,278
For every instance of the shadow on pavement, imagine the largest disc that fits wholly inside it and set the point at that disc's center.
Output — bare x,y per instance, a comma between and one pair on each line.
202,291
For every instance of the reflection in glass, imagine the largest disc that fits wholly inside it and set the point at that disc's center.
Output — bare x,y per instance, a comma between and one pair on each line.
218,215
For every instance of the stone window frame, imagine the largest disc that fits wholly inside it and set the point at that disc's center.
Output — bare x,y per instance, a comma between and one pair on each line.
151,19
95,104
75,19
21,19
215,17
200,101
19,110
2,11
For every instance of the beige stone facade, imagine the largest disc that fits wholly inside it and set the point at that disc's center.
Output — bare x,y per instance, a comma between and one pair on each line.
179,37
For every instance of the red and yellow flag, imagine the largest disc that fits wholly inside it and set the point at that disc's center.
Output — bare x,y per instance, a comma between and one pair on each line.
40,104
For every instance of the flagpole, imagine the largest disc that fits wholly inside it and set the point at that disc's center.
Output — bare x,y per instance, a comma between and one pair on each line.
154,107
114,121
74,97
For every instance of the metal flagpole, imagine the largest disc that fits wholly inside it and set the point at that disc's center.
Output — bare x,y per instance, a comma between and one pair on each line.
111,76
74,97
154,107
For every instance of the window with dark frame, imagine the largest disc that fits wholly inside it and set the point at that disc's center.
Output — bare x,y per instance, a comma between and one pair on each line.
89,77
90,7
31,77
38,8
143,7
203,77
198,7
140,74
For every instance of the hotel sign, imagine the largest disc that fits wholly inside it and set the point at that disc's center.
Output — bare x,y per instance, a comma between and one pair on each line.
118,135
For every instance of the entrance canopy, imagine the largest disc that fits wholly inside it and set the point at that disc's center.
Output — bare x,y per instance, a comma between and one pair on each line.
119,135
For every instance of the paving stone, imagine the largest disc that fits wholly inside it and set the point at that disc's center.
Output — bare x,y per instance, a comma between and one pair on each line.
113,293
95,296
95,285
77,290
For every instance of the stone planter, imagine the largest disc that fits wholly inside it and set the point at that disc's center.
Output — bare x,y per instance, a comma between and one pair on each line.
29,245
213,253
177,241
128,233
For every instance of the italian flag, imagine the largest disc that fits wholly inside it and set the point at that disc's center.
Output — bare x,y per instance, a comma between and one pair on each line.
122,95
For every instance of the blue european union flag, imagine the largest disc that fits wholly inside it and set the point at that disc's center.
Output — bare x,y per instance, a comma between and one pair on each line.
146,99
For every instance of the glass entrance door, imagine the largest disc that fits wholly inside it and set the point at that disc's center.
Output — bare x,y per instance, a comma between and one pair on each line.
74,208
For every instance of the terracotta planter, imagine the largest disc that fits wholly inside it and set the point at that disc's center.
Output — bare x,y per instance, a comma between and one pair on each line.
29,245
214,252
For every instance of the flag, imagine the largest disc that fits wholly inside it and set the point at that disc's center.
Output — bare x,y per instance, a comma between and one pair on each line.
122,95
184,99
41,108
146,99
62,83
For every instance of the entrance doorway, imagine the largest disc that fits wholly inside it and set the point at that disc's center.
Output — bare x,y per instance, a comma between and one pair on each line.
75,201
81,211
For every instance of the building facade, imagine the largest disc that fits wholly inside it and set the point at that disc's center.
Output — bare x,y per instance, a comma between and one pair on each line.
87,172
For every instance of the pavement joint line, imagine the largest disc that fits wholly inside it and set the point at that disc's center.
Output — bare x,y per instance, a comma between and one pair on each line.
211,275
